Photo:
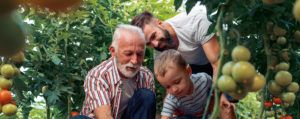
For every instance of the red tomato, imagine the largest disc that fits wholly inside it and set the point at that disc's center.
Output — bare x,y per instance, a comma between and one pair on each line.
288,117
268,104
277,100
5,97
74,113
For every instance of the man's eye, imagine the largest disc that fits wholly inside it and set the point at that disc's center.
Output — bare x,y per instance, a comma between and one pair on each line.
153,36
127,54
177,82
148,43
140,54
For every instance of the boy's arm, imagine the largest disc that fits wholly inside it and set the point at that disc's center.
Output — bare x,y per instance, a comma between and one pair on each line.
169,107
165,117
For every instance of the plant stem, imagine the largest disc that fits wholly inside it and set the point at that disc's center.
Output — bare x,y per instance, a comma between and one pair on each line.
267,75
47,109
215,112
67,65
69,106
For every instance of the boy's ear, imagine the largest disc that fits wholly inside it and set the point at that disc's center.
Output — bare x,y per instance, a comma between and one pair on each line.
188,70
112,51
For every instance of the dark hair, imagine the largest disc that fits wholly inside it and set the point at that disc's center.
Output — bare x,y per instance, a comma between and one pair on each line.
168,59
142,19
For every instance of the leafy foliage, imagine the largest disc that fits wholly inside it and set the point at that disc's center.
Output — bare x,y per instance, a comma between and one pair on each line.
62,47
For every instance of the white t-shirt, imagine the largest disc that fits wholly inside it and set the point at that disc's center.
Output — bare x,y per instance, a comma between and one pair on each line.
191,30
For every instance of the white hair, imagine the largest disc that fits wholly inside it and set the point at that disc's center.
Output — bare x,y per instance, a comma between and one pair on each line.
129,29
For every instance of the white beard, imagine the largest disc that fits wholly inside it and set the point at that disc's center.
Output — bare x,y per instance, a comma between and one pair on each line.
124,71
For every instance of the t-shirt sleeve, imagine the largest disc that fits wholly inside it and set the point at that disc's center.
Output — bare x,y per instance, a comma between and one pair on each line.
169,106
97,92
201,28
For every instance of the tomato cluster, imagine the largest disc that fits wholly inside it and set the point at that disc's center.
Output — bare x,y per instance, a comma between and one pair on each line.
8,72
281,86
239,76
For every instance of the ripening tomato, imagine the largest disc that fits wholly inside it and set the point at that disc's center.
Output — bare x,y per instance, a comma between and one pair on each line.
74,113
5,97
286,117
277,100
268,104
9,109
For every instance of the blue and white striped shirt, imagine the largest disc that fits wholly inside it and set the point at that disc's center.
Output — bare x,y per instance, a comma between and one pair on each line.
191,104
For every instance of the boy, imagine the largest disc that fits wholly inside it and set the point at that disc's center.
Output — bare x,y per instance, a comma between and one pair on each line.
187,93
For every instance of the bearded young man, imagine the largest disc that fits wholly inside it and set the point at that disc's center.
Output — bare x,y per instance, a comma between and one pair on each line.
187,33
120,88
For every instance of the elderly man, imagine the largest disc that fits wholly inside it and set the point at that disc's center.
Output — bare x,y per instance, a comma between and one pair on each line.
120,88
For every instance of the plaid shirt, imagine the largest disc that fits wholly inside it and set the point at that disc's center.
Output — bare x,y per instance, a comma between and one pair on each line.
102,86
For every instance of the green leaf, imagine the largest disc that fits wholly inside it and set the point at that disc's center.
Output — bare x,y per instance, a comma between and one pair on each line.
20,84
211,28
189,5
52,96
66,89
177,4
55,59
103,56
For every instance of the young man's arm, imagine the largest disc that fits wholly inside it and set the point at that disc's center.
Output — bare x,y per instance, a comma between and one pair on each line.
212,51
103,112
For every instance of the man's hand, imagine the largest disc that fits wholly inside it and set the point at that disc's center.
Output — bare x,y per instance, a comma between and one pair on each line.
103,112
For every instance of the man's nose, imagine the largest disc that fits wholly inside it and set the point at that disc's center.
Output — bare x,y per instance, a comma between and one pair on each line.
155,43
134,59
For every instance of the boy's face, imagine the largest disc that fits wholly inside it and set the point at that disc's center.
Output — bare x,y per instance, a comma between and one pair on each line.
177,81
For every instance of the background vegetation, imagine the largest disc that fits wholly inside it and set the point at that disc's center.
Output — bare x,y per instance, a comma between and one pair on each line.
62,47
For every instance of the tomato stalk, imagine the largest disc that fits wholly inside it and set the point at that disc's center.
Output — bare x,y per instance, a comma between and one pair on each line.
221,61
69,106
47,109
67,65
267,75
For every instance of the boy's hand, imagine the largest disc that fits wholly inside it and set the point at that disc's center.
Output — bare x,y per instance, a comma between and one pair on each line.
165,117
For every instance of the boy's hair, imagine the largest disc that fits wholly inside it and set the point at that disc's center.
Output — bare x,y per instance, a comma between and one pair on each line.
168,59
142,19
